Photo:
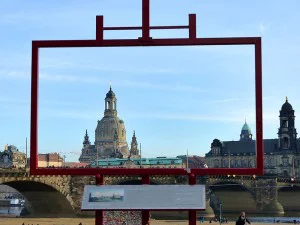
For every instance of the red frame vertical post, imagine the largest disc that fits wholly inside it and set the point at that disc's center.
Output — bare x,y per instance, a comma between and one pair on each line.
193,212
99,28
258,104
192,26
99,213
146,213
34,108
145,20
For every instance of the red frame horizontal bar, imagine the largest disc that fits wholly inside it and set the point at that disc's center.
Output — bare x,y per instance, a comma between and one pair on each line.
151,28
138,43
142,171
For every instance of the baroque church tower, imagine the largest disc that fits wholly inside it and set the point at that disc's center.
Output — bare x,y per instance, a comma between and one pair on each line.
134,151
86,141
287,134
110,135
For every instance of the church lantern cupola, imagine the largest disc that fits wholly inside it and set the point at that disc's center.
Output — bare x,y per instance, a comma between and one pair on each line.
110,104
287,133
246,134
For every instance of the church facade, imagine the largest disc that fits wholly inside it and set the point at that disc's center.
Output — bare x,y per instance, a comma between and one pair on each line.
281,155
110,136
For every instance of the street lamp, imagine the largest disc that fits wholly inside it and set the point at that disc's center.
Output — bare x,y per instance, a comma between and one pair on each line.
221,213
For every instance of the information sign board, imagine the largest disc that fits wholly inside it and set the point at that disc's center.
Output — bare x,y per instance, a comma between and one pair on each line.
139,197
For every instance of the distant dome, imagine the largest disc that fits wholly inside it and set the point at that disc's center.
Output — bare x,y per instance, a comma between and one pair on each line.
110,94
287,107
246,134
246,128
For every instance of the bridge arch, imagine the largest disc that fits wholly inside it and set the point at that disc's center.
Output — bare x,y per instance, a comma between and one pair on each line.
43,200
234,196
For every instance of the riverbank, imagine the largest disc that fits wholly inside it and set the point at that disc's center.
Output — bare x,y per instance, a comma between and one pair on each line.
90,221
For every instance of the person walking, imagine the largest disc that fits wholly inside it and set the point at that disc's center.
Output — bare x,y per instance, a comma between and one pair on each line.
242,220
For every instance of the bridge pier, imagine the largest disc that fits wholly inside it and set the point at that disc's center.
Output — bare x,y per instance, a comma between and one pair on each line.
273,207
267,196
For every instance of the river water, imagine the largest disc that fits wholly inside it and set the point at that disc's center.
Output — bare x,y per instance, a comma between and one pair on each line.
11,211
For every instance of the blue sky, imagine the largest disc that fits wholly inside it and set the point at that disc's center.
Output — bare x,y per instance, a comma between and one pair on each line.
175,98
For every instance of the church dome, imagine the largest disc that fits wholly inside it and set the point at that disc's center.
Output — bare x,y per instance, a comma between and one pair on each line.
110,94
246,134
246,128
110,133
108,126
111,130
287,107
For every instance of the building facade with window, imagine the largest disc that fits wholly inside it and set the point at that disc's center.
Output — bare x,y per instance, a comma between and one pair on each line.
50,160
281,155
11,157
110,136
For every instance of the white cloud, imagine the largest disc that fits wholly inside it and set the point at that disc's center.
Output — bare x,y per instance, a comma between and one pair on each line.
71,114
50,63
225,100
191,117
225,50
120,83
11,100
19,74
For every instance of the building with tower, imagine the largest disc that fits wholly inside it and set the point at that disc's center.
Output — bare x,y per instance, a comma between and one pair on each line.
110,136
281,155
11,157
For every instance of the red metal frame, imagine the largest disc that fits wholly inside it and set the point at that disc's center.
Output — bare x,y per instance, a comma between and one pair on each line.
145,41
36,45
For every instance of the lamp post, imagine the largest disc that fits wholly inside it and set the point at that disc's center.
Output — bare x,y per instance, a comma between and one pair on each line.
140,155
97,156
228,158
221,213
187,158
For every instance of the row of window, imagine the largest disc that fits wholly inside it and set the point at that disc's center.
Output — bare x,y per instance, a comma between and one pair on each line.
234,163
250,163
113,106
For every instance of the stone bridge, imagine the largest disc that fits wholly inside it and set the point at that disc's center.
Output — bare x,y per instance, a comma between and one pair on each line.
55,196
60,196
256,195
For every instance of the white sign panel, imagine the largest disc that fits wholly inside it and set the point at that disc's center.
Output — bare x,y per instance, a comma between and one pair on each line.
137,197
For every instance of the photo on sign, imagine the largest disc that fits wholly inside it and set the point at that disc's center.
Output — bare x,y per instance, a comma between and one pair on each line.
107,195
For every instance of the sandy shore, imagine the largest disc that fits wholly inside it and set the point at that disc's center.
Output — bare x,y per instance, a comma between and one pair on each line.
89,221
